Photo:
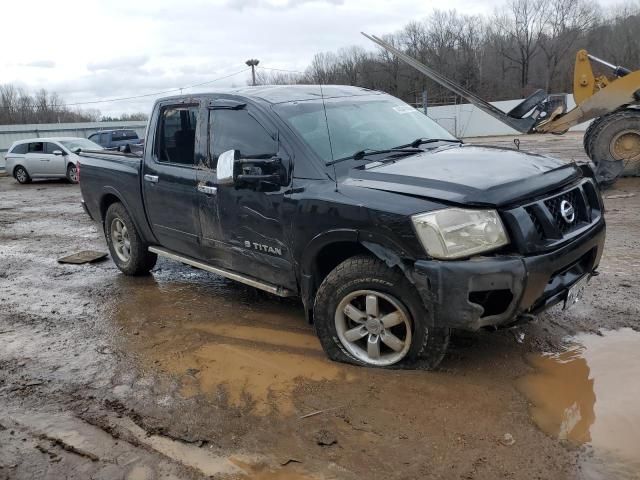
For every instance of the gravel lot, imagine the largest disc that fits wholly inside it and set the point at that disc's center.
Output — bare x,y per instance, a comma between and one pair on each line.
183,374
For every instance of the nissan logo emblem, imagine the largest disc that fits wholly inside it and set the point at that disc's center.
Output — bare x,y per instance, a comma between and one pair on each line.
567,211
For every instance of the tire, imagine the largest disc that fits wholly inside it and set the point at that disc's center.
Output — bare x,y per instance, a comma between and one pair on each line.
128,251
72,173
350,287
586,141
607,139
21,175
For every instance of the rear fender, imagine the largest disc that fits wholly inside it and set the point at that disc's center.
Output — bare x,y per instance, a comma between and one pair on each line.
143,228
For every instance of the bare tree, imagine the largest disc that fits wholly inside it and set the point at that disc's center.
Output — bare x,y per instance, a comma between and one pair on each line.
19,107
522,23
568,21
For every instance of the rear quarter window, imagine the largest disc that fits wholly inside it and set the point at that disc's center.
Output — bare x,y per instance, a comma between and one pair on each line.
19,149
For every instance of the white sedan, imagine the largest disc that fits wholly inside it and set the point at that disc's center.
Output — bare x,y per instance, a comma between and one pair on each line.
46,158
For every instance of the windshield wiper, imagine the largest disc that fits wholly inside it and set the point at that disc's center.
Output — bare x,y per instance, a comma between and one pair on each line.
360,154
421,141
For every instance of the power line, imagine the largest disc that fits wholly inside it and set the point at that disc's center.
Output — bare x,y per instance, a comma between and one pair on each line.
281,70
94,102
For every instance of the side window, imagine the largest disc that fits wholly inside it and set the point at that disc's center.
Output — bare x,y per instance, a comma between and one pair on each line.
237,130
176,136
51,147
95,138
21,148
36,147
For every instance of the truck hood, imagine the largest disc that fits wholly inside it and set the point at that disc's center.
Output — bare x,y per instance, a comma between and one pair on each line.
468,175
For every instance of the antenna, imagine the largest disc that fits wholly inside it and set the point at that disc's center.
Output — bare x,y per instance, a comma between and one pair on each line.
326,119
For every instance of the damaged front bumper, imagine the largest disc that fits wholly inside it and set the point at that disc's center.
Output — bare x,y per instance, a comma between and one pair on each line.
500,290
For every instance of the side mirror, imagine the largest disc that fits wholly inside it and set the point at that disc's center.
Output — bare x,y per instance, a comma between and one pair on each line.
224,170
58,152
260,171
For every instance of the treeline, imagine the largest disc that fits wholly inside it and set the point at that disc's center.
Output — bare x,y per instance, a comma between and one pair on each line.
126,117
17,106
525,45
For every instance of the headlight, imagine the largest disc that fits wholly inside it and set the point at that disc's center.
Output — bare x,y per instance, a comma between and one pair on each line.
457,232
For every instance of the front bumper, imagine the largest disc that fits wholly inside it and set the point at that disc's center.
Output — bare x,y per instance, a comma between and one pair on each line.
495,291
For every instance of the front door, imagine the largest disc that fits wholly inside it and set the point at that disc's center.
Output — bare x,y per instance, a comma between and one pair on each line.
169,179
57,163
244,227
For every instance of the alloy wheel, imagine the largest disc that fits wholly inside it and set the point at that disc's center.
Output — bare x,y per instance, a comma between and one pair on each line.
374,327
120,239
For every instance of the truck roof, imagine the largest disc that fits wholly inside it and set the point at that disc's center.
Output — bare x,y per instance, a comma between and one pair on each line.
289,93
111,130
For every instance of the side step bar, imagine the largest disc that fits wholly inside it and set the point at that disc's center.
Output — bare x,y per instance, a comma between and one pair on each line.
267,287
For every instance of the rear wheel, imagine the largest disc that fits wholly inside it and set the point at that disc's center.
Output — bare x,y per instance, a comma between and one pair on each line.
368,314
72,173
21,175
128,251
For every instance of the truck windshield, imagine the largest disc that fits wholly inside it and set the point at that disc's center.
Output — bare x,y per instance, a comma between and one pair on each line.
367,122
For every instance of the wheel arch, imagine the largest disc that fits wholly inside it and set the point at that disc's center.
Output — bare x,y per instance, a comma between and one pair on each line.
327,250
111,195
15,167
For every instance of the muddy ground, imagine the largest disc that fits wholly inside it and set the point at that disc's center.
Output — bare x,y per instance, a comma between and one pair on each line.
183,374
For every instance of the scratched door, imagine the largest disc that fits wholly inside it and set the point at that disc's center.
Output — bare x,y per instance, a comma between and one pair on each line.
248,223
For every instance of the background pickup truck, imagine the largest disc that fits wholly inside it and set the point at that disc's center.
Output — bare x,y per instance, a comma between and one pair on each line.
115,139
391,231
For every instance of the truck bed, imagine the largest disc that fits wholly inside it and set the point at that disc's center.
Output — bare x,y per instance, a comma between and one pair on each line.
103,173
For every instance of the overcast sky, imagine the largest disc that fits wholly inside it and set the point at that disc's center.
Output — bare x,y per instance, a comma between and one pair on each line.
95,50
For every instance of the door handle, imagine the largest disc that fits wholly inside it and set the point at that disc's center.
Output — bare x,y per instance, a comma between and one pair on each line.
151,178
207,189
44,159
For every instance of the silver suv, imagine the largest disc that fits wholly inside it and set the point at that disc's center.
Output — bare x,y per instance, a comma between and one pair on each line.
46,158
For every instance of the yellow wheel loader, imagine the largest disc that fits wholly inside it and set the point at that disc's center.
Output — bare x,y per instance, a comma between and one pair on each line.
612,140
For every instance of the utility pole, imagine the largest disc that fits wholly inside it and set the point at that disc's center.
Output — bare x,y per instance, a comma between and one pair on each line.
252,62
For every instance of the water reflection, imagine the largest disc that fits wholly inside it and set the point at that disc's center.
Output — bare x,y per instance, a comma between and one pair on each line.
562,394
220,339
590,394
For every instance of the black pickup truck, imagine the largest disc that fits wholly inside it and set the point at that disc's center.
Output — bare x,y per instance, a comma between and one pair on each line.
391,231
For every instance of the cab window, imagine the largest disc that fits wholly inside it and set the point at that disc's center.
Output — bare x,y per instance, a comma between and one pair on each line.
238,130
175,141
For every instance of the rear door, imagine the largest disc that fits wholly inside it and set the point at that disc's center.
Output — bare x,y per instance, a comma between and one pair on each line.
169,178
245,227
36,159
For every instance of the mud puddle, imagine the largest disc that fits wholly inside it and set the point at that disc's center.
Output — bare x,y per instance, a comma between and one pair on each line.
251,350
588,394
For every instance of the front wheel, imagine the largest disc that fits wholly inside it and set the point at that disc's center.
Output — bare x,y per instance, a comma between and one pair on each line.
128,251
368,314
72,173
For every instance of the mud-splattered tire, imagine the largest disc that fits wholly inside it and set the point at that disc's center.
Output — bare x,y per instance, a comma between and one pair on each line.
72,173
615,137
127,249
349,321
21,175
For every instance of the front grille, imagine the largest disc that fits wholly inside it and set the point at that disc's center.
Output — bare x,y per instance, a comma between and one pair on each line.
575,199
541,224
